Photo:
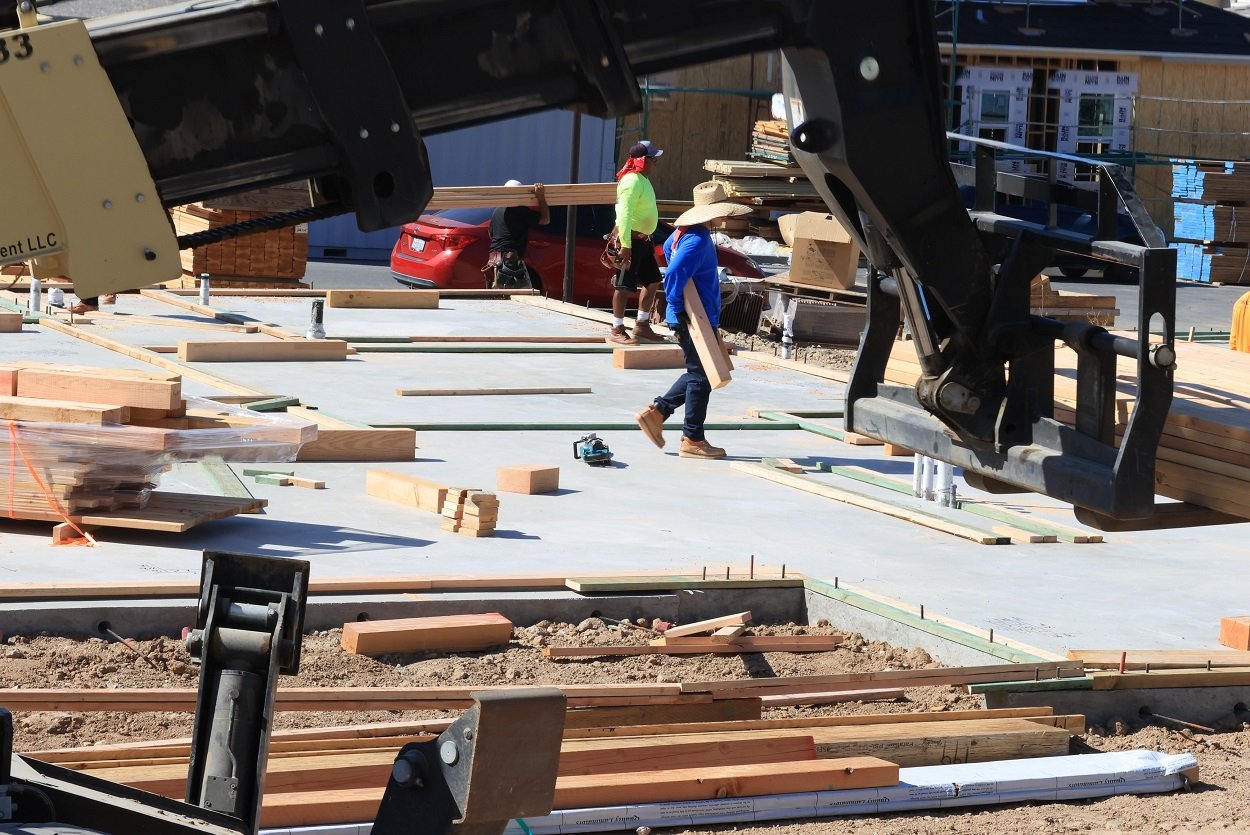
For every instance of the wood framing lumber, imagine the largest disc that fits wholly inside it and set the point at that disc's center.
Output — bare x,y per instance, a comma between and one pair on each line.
1159,659
701,647
406,489
709,625
367,444
93,386
714,712
388,299
589,584
1223,677
836,697
448,633
1235,632
608,756
255,471
528,479
286,809
816,642
860,500
291,350
493,391
706,339
39,410
728,634
274,480
307,483
490,197
649,357
10,322
895,678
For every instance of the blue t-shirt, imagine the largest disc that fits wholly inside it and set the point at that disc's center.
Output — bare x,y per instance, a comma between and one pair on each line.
691,257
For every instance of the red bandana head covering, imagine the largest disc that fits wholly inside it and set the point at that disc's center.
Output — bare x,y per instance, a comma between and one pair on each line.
633,165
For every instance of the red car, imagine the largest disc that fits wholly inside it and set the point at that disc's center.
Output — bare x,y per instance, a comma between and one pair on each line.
448,249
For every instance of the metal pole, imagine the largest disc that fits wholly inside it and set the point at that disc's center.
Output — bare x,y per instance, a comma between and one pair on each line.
205,281
570,228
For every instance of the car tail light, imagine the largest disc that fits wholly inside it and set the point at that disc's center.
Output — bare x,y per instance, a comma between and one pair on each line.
453,241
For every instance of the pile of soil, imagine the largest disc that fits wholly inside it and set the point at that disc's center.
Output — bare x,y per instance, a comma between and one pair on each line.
1220,804
839,358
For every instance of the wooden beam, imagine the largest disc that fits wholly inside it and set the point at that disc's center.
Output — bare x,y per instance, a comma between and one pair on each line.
402,488
713,712
60,411
302,350
388,299
366,444
832,698
102,387
860,500
706,339
896,678
702,647
710,625
1159,659
492,391
1225,677
448,633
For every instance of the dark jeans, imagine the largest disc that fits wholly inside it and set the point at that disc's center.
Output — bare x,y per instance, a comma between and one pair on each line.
692,389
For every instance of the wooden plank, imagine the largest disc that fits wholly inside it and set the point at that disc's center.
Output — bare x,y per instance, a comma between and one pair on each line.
832,698
598,756
60,411
493,391
449,633
728,634
101,386
406,489
710,625
590,584
702,647
395,444
716,711
307,483
1225,677
815,641
302,350
1159,659
489,197
386,299
649,357
926,520
706,340
896,678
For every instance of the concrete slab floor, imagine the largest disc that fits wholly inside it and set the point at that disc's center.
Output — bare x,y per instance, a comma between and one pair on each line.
651,512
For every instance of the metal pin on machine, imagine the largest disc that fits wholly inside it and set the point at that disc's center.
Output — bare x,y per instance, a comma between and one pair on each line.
205,288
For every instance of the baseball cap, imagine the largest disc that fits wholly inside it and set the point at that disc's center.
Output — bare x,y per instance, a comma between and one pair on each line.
644,149
513,183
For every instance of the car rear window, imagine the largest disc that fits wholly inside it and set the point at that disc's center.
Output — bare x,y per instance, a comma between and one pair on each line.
472,217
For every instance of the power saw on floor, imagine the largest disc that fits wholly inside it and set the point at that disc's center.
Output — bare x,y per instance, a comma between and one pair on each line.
593,450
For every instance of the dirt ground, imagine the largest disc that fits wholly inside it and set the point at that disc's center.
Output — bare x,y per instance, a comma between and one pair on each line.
839,358
1220,804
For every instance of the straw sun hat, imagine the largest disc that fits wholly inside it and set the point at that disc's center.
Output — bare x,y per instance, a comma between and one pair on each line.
710,202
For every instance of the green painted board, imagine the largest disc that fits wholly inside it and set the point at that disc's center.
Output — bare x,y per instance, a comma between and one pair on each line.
1076,683
570,427
267,471
271,404
818,428
219,472
600,585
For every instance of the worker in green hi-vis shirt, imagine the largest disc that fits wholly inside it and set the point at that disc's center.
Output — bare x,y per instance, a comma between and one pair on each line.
637,216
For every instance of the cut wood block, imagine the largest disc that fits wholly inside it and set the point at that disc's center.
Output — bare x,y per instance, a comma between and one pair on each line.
450,633
10,322
65,532
470,530
363,444
649,357
728,634
275,480
528,479
8,381
1235,632
405,299
307,483
406,489
60,411
706,339
290,350
709,625
896,450
105,386
855,439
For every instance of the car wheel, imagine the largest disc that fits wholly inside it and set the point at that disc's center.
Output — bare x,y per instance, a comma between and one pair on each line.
1073,273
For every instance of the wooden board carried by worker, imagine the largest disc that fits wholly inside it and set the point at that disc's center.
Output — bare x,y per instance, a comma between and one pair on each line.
386,299
291,350
706,340
450,633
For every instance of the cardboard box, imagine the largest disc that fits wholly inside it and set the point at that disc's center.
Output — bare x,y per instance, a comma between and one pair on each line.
824,254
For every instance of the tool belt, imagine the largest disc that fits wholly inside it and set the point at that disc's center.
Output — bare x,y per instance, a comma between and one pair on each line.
507,271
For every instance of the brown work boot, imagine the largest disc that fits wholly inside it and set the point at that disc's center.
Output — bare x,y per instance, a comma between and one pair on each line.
621,336
699,449
643,333
651,422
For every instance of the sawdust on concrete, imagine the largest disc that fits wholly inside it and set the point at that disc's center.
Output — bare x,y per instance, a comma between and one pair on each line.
1220,804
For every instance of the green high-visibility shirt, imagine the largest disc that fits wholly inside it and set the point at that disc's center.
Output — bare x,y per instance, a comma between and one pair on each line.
635,208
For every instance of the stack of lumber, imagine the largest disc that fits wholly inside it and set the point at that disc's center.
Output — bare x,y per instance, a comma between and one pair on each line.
338,774
1068,306
770,141
273,254
490,197
1208,199
1204,453
94,441
470,512
765,186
